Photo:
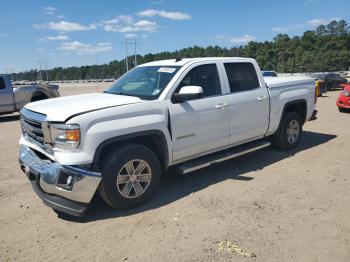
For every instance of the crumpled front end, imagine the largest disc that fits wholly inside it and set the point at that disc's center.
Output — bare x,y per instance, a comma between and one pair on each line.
64,188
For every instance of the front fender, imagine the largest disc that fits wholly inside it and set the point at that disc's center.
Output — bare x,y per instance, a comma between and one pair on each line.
161,138
99,127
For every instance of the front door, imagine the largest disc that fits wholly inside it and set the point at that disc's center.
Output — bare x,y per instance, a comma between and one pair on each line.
200,125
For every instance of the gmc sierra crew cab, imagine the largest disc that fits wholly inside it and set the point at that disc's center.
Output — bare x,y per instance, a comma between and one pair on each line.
13,98
182,113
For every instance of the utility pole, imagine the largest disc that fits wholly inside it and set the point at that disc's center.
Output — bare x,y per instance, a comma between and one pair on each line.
95,65
41,77
9,71
126,56
127,43
46,71
135,57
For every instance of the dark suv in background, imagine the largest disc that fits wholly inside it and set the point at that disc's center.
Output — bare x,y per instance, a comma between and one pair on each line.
329,81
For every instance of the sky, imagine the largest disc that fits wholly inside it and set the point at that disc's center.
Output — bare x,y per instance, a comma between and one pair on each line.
75,33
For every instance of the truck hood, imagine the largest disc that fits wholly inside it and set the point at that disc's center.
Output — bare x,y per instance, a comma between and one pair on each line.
60,109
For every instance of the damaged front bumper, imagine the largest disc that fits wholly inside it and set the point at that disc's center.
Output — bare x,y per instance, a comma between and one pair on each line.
68,189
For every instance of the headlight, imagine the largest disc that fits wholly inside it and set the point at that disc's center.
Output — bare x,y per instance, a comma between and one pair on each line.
345,93
65,136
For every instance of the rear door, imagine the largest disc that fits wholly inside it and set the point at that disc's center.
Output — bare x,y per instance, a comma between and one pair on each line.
6,97
248,102
201,125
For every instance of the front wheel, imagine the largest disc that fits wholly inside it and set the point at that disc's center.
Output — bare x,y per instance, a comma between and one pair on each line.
131,175
289,133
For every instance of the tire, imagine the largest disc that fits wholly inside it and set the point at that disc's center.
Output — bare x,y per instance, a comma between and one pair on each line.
120,187
283,138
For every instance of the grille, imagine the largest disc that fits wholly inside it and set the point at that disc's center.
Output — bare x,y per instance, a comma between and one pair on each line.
33,129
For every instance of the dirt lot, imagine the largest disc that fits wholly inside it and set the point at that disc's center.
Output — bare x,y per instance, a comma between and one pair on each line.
283,206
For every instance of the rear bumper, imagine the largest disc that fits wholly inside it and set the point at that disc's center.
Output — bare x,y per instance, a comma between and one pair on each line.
65,188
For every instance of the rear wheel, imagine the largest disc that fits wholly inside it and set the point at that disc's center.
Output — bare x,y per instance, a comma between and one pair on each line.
131,175
289,133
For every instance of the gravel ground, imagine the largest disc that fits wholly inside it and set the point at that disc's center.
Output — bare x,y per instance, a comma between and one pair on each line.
281,205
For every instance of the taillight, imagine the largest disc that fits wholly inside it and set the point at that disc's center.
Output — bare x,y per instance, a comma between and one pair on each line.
317,88
317,91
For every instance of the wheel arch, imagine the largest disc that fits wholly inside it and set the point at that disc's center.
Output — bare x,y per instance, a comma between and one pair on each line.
39,95
153,139
299,106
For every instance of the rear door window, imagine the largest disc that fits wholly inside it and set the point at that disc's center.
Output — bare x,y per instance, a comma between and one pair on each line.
241,76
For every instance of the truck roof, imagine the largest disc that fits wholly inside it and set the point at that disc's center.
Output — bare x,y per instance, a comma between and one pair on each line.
183,61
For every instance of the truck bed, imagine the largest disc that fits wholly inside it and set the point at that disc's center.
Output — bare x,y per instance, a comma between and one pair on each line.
286,89
273,82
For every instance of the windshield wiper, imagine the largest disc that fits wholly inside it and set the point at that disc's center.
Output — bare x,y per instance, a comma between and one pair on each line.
118,93
124,94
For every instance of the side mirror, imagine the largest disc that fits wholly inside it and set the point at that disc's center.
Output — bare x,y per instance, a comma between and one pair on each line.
188,93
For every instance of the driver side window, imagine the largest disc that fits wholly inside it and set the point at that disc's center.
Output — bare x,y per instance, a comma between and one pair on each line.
205,76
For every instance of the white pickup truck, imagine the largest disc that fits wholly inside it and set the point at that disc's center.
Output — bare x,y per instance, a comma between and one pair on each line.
180,113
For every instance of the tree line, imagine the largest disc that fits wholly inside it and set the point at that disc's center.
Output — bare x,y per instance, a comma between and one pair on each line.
327,48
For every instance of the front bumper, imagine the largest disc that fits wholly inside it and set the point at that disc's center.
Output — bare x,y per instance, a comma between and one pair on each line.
65,188
343,103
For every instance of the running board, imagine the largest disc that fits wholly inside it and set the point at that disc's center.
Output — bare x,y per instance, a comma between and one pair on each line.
224,155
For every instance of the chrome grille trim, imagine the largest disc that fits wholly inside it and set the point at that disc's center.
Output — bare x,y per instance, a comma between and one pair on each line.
35,128
37,138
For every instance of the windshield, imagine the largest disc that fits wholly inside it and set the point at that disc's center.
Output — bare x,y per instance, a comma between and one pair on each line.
269,73
146,82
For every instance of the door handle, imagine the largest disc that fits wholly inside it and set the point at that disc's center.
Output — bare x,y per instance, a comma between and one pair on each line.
220,106
262,98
